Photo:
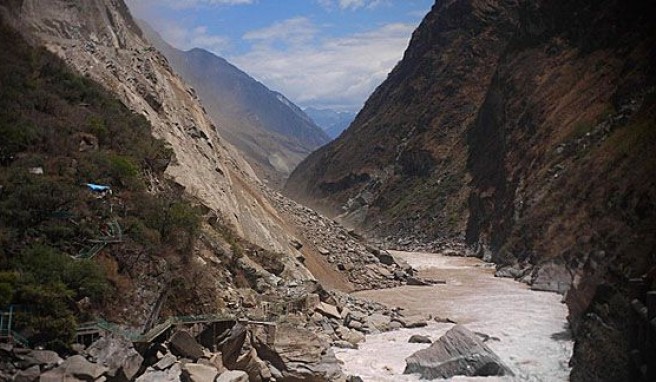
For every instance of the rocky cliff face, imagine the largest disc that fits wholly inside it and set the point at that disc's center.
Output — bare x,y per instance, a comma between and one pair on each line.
521,127
101,40
272,133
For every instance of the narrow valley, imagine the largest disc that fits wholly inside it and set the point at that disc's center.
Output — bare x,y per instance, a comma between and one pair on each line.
187,195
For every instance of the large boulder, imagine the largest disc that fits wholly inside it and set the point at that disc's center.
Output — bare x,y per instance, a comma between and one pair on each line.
419,339
300,355
552,277
256,369
458,352
184,345
328,310
31,374
416,321
46,359
378,321
231,346
118,355
233,376
384,257
194,372
166,362
171,374
75,368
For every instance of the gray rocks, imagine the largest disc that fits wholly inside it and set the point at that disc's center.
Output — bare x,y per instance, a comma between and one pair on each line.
353,337
344,251
75,368
167,361
172,374
30,374
417,281
118,355
384,257
458,352
233,376
183,344
552,277
416,321
193,372
417,339
231,346
328,310
44,358
302,355
379,321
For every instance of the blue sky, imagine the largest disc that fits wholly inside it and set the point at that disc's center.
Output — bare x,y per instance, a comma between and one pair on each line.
321,53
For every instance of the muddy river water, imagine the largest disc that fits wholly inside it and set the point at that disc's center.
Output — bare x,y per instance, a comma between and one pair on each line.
528,329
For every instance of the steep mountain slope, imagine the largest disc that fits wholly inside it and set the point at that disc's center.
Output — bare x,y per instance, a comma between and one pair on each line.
272,133
331,121
524,128
100,40
68,254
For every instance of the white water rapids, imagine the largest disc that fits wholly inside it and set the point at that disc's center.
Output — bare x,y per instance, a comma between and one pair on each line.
529,328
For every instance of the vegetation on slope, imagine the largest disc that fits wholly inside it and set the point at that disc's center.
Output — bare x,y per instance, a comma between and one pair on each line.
60,131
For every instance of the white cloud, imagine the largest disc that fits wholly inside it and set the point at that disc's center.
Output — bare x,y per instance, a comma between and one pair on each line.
352,4
182,4
291,31
185,38
333,72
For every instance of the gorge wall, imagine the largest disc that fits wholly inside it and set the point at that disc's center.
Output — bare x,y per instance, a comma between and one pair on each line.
271,132
101,40
522,128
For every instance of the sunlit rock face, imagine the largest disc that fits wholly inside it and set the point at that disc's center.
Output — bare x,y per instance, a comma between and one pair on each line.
101,40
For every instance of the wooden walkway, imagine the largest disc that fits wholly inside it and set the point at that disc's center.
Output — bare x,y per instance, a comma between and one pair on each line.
90,331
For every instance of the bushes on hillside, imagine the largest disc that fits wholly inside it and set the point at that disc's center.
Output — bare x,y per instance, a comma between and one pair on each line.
60,131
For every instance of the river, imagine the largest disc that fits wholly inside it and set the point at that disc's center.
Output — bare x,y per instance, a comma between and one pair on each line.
529,328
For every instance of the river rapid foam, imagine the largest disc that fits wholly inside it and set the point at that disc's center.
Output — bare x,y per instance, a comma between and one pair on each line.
527,329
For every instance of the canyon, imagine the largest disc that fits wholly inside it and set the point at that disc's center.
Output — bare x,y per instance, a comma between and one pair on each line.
515,132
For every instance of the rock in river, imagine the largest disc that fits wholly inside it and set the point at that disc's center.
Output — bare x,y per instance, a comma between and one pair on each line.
458,352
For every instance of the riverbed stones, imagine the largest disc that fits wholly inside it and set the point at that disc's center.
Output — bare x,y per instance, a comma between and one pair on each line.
551,277
414,321
328,310
419,339
353,337
417,281
458,352
378,321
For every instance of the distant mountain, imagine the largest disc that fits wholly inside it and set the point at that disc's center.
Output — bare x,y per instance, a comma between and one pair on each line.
271,131
331,121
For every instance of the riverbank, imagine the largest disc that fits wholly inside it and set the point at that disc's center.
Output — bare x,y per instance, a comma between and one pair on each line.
527,329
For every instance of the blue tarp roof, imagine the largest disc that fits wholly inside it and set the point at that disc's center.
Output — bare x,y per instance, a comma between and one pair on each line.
97,187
